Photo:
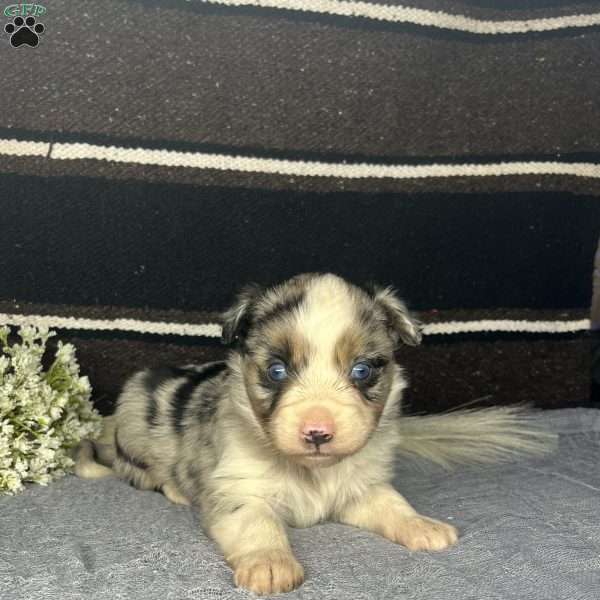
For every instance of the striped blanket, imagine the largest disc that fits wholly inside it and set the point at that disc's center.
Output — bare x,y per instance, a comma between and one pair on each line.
155,155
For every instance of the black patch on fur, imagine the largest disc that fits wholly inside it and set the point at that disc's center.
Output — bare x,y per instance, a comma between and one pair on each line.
95,453
283,353
287,305
275,389
153,380
275,397
369,287
392,317
152,416
207,407
126,457
185,391
236,508
180,401
378,362
193,472
367,394
369,387
291,302
237,321
375,314
366,316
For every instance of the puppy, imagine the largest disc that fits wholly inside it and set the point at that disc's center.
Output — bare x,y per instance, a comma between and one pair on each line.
300,425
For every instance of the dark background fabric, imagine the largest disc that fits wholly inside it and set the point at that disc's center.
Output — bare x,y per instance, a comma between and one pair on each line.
167,246
102,237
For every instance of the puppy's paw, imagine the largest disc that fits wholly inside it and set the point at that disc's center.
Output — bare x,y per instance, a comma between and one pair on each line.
174,495
421,533
268,572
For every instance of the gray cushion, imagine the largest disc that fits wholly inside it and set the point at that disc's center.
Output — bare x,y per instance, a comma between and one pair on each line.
529,530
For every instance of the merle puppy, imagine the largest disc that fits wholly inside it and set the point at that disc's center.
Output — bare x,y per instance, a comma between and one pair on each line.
301,424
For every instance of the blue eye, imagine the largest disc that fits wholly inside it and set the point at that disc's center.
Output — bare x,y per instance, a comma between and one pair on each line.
277,371
361,371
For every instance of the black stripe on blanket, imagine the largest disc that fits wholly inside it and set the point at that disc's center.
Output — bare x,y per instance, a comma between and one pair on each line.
81,241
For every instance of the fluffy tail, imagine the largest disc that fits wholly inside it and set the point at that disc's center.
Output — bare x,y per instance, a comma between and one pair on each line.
477,436
93,459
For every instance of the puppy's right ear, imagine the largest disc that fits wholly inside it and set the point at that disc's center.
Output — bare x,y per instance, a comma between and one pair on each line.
237,320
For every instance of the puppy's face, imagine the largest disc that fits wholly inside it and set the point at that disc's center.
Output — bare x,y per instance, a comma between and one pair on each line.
317,362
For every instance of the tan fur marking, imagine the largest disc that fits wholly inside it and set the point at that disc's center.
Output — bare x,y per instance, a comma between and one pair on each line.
349,347
287,335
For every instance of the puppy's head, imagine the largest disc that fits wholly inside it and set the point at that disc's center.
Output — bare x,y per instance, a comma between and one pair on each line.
317,361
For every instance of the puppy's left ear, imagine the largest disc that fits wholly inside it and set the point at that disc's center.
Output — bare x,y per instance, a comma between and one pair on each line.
237,320
400,322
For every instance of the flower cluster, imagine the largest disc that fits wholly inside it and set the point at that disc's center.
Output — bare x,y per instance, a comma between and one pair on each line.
44,413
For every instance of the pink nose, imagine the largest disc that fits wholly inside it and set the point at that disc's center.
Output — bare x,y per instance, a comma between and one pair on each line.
317,432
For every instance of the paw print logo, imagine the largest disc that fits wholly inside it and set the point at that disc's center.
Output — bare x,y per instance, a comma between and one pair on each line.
24,31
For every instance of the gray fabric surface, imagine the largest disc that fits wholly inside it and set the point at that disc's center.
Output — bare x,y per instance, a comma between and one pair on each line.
528,531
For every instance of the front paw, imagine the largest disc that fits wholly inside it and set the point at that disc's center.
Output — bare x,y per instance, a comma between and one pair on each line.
268,572
421,533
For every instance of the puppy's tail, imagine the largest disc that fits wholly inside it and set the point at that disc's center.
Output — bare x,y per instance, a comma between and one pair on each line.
94,458
474,436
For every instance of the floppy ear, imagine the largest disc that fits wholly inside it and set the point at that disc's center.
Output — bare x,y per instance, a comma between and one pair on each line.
400,322
237,320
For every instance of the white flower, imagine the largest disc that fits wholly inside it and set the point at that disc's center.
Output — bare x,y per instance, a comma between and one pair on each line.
10,481
43,479
21,445
55,412
20,467
43,414
65,353
6,428
4,364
